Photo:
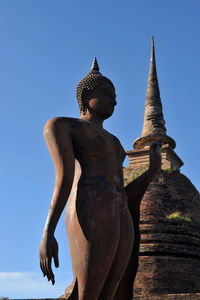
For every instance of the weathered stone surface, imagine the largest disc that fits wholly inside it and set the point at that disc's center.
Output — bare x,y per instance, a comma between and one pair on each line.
153,120
170,212
154,123
68,291
170,237
139,159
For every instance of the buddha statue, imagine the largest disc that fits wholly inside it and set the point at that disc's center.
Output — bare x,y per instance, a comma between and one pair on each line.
101,215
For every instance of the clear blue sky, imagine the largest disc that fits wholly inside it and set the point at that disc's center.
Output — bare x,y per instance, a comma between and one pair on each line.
46,47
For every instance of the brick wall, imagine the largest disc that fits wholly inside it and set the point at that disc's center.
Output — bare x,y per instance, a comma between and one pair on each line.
170,237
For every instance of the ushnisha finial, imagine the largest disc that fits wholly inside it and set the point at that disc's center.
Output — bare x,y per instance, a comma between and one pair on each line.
95,66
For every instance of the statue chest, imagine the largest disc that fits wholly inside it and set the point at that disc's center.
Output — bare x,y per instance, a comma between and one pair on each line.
94,143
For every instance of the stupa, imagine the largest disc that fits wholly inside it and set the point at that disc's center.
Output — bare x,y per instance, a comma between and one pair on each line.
170,211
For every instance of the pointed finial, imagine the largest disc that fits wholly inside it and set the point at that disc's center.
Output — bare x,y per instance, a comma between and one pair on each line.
152,41
154,123
152,70
152,50
95,66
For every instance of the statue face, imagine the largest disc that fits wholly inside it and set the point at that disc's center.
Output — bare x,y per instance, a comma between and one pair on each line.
102,101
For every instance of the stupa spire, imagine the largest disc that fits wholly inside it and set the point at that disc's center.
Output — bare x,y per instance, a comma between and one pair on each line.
154,123
153,119
153,129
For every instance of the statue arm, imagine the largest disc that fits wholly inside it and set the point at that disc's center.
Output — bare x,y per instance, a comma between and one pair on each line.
136,189
58,140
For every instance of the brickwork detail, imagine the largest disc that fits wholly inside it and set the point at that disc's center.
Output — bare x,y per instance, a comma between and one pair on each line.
170,237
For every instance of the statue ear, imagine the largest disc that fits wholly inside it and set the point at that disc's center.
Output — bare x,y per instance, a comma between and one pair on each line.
84,100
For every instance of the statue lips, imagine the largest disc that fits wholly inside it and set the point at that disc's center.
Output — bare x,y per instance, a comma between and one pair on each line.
108,113
112,108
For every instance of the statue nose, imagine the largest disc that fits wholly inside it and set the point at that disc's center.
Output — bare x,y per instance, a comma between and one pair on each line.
114,102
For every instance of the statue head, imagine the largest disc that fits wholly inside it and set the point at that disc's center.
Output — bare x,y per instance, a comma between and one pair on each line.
94,79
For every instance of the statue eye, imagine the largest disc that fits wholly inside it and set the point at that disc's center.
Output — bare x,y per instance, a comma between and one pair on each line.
108,92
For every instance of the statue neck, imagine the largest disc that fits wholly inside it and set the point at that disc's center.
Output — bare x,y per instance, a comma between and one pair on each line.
93,118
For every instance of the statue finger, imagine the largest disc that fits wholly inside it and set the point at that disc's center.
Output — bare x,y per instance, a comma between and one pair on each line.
56,260
50,272
42,267
46,269
156,146
53,281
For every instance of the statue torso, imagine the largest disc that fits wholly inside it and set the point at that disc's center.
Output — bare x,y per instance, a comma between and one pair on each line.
98,152
98,169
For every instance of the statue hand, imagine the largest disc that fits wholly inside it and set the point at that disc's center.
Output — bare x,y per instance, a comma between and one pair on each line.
155,157
48,249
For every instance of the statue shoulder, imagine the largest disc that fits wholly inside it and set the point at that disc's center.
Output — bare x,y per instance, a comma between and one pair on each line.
122,151
59,124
